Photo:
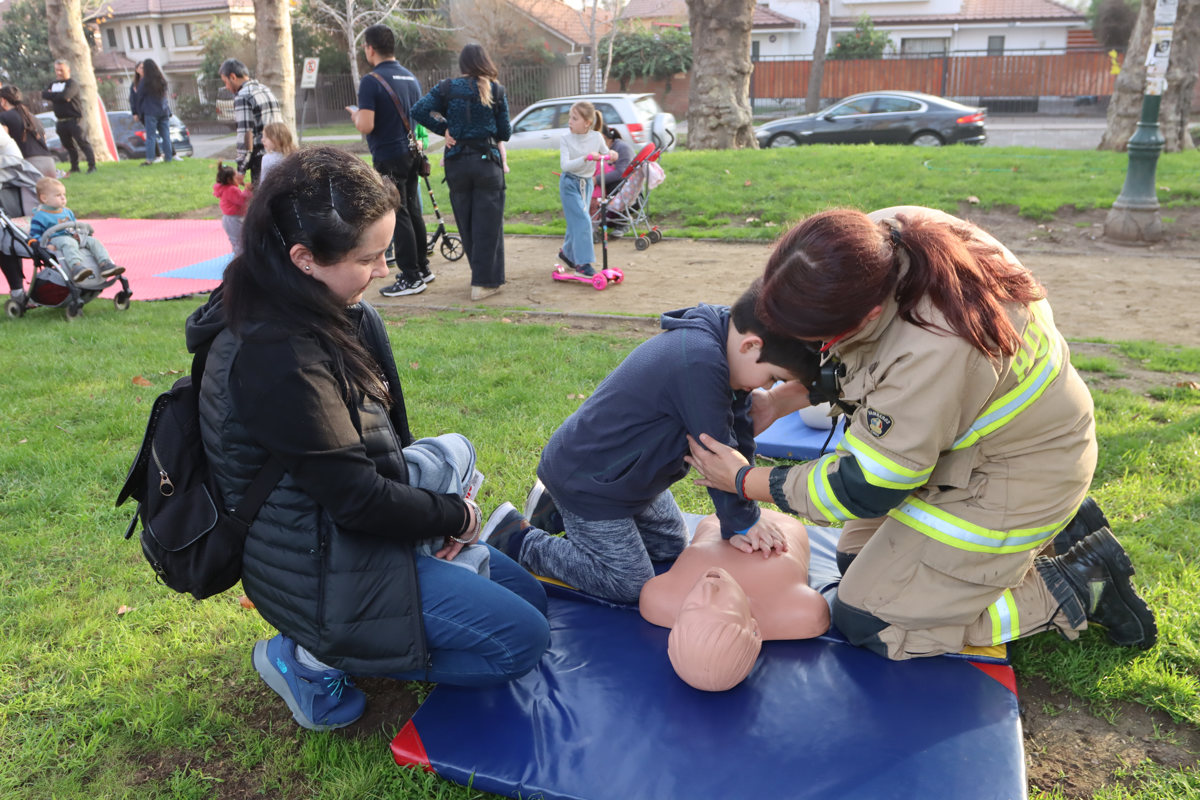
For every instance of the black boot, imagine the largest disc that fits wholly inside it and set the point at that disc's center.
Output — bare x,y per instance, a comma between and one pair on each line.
1091,581
1087,519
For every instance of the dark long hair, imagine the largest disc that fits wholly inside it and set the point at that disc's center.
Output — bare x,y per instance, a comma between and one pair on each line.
137,79
323,198
154,83
474,63
828,272
29,123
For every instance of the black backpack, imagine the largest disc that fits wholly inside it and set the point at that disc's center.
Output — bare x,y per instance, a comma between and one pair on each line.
193,542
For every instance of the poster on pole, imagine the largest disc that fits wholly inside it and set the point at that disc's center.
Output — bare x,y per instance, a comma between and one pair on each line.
308,78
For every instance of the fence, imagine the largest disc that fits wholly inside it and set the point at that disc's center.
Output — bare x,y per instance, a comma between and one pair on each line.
1014,82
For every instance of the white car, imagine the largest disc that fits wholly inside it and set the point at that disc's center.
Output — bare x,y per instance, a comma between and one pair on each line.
638,117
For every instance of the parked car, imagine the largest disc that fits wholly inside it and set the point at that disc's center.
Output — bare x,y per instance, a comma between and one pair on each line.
638,117
881,118
129,135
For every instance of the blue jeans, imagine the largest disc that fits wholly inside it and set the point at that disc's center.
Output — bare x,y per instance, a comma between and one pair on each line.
609,558
158,128
576,196
480,631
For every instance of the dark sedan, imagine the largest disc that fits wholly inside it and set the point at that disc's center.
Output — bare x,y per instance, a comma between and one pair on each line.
129,135
881,118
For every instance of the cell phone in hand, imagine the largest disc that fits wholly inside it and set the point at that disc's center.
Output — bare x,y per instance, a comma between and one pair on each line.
352,109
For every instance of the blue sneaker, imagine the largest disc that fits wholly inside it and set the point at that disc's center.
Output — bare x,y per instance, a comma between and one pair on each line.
320,700
505,530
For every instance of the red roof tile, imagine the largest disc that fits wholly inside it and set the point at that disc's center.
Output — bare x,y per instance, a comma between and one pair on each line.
987,11
570,23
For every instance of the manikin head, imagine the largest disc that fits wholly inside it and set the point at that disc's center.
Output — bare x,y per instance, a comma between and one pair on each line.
715,640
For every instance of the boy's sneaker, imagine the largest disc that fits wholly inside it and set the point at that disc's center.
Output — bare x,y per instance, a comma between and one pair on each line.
403,287
563,258
541,511
426,274
110,270
505,530
586,269
320,700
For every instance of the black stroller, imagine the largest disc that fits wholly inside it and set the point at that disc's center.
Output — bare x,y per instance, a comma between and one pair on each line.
51,284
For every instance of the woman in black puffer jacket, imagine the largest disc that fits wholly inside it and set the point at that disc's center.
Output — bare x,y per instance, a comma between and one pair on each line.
361,566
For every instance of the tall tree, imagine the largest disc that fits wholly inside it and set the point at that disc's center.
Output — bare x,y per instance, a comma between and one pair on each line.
350,18
65,20
1125,107
719,113
25,46
273,46
812,102
1181,78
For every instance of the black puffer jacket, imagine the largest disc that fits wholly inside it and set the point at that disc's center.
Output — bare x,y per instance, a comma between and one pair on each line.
329,559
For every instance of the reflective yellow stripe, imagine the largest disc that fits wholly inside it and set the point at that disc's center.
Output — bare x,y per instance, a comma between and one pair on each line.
879,470
1038,364
956,532
1006,622
821,493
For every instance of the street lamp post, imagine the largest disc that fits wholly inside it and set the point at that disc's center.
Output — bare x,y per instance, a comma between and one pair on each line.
1134,216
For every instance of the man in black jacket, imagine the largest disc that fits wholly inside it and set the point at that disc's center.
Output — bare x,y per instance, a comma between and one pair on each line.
68,111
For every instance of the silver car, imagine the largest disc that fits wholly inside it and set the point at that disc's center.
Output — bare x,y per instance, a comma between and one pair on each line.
638,117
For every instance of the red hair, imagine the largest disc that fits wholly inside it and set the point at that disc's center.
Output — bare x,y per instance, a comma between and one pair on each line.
828,272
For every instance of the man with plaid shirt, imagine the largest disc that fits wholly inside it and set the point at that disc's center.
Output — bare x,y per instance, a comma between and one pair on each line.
254,107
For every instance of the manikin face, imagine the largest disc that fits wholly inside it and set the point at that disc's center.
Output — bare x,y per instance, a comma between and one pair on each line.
348,278
718,597
747,373
577,124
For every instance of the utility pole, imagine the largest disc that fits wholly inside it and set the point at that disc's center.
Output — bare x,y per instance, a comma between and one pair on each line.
1134,216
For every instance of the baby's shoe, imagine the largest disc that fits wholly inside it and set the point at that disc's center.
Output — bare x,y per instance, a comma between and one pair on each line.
110,270
82,274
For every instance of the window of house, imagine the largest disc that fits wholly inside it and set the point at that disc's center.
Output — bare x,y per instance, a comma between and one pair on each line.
754,47
162,40
183,34
995,45
129,37
924,46
138,29
111,35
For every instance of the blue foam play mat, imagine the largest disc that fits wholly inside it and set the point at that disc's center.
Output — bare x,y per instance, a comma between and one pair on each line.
604,716
789,437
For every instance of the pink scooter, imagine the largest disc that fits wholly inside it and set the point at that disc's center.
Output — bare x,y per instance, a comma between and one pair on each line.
564,270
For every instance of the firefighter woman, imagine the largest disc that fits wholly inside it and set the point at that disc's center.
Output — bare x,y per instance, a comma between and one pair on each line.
970,442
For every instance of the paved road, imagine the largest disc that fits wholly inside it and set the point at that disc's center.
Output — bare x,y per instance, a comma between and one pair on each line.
1067,133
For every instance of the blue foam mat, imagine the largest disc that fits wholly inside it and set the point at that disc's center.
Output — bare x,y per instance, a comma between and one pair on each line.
789,437
604,716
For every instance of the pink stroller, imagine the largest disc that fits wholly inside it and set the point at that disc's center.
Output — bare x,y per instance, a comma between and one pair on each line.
627,207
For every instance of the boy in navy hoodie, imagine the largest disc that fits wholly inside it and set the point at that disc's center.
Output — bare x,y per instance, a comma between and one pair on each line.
609,467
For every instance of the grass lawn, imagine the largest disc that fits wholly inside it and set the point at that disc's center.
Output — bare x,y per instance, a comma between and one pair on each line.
113,686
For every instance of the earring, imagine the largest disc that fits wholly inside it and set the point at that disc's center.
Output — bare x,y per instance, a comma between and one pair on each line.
308,268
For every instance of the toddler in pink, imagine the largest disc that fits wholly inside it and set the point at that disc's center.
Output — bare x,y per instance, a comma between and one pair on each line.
233,204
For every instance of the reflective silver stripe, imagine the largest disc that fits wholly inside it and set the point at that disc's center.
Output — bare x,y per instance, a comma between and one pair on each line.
956,532
1006,621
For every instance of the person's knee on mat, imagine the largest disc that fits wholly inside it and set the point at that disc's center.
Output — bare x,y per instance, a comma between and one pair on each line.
861,628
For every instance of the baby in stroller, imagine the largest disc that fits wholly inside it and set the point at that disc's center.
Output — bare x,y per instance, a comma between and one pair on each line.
55,228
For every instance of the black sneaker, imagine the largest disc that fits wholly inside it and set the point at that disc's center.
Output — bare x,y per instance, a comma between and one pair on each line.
403,287
563,258
91,169
541,511
111,270
505,530
427,275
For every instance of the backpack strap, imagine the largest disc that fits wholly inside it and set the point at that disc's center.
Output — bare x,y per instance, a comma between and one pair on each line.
262,485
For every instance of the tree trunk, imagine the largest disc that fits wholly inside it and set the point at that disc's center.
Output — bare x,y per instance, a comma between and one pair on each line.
719,114
812,102
273,47
1125,107
65,19
1181,78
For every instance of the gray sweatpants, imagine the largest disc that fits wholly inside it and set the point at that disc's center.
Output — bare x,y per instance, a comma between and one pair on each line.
608,558
445,464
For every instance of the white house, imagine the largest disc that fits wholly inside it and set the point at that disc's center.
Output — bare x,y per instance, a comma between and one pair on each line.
992,27
168,31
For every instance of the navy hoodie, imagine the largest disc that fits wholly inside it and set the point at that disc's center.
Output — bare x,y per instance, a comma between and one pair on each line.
625,445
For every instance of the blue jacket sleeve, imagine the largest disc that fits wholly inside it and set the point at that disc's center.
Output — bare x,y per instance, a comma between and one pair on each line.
422,112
